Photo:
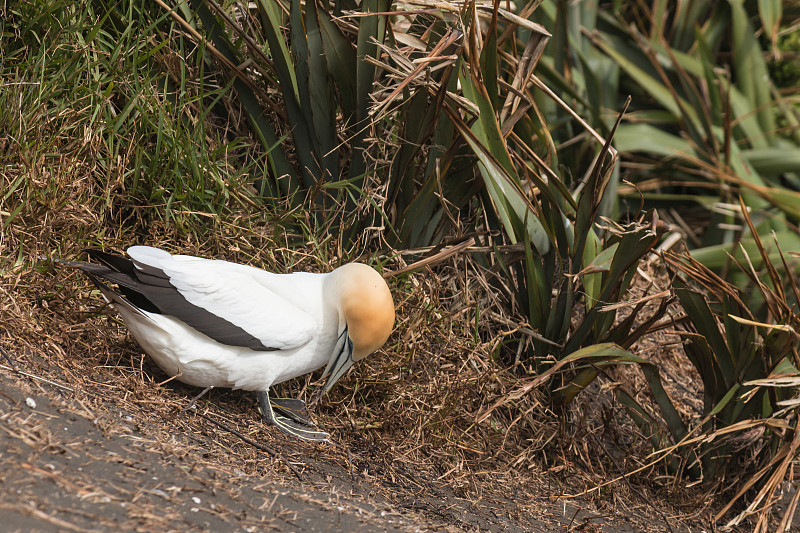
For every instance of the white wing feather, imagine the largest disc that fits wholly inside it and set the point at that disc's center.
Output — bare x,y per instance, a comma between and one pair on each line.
236,293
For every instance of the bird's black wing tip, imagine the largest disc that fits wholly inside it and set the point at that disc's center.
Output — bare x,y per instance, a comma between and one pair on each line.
113,260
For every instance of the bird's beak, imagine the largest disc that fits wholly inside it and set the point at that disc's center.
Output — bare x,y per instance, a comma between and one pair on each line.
340,362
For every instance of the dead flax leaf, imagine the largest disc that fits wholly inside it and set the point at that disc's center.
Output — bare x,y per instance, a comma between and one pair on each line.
784,458
434,259
633,303
746,322
451,37
525,67
778,380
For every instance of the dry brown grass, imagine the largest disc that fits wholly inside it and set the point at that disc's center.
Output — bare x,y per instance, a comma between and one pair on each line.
406,418
404,422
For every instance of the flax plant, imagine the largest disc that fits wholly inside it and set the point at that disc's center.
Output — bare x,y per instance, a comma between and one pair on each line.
747,358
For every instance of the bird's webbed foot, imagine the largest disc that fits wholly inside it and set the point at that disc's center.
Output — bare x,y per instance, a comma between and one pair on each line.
290,416
291,408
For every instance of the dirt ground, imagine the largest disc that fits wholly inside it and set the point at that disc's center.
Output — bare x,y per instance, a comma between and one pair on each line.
73,459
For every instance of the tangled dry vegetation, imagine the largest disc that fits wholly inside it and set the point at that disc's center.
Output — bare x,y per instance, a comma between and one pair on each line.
416,428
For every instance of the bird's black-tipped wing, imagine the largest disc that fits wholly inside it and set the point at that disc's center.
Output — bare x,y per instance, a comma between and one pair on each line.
148,288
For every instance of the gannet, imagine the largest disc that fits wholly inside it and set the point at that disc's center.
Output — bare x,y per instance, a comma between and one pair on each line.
212,323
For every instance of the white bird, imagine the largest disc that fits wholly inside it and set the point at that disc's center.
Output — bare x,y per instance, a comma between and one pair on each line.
213,323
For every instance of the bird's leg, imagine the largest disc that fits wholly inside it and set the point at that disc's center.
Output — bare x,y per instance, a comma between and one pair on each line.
286,424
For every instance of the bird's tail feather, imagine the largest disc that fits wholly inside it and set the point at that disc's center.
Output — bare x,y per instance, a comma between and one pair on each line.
112,296
114,262
114,269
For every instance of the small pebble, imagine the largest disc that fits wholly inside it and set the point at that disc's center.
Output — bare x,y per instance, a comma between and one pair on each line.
31,403
196,500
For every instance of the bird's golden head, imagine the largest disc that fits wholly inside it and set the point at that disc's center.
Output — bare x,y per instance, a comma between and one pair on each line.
367,306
